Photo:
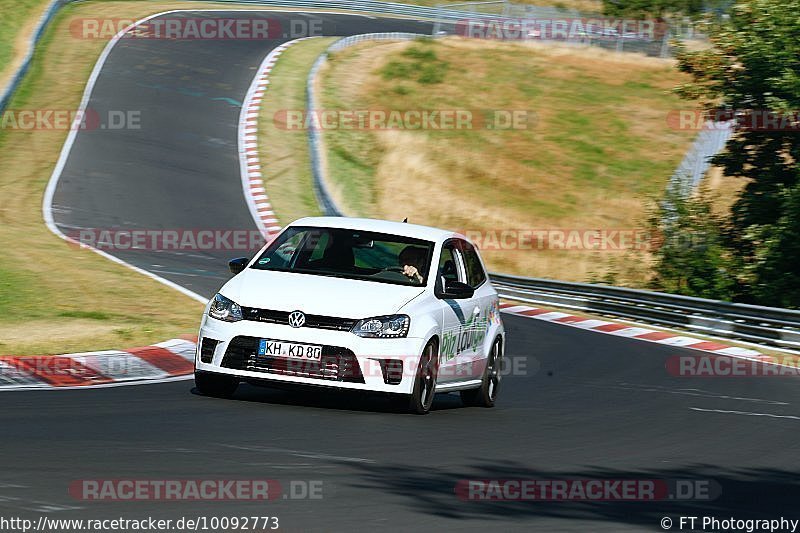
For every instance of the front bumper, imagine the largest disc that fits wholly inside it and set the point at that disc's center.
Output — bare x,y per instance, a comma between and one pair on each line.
349,361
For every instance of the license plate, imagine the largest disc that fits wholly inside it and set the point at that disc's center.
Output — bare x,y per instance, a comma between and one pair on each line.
290,350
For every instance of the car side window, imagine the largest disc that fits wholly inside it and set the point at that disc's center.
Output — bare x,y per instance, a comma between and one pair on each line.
448,268
472,263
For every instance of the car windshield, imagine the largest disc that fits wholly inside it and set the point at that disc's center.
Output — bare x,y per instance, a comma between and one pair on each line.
349,253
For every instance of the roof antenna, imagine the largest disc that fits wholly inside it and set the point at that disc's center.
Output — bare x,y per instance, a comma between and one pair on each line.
405,220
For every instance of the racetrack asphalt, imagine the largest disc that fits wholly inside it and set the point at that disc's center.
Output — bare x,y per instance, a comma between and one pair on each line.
178,169
579,405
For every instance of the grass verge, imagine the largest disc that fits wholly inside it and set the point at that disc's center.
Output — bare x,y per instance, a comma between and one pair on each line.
286,168
598,152
55,298
17,24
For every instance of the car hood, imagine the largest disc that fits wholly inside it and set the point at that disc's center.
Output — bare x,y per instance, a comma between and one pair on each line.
317,295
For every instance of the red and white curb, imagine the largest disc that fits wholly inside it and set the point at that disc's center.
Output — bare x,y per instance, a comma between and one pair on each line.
633,332
250,164
174,359
166,361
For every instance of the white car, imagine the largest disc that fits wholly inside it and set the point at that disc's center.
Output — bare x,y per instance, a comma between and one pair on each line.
357,304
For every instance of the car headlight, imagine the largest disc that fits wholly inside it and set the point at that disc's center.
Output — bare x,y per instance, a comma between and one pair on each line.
383,326
224,309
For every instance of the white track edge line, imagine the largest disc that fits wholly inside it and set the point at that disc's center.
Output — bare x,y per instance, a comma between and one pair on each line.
47,202
52,184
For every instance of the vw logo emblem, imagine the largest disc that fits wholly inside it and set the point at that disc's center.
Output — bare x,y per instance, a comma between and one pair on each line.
297,319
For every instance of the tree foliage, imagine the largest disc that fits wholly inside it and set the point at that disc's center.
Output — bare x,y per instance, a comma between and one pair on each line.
753,69
691,255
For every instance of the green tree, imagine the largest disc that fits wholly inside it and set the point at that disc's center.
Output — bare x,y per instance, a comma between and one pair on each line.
753,68
776,265
690,253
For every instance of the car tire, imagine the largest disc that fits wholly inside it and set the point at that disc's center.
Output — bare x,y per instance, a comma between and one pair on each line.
424,390
486,395
214,385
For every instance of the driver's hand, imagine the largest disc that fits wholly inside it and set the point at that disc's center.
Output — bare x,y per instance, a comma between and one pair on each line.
412,272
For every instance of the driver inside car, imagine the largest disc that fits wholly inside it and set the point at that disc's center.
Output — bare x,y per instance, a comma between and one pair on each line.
412,259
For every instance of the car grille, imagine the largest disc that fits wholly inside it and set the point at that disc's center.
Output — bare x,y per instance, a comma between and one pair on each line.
312,321
337,364
207,347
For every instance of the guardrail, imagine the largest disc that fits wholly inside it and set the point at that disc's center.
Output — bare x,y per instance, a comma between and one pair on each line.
369,6
448,16
752,323
694,165
16,78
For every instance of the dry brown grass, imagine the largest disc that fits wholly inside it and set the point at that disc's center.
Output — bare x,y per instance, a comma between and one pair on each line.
599,152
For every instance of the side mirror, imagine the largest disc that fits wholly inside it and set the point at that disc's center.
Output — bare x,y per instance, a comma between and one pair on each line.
238,264
455,290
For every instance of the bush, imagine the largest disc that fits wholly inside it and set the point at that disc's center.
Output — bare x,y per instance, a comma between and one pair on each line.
691,253
425,67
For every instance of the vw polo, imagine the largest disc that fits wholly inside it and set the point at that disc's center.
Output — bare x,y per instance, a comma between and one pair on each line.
357,304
